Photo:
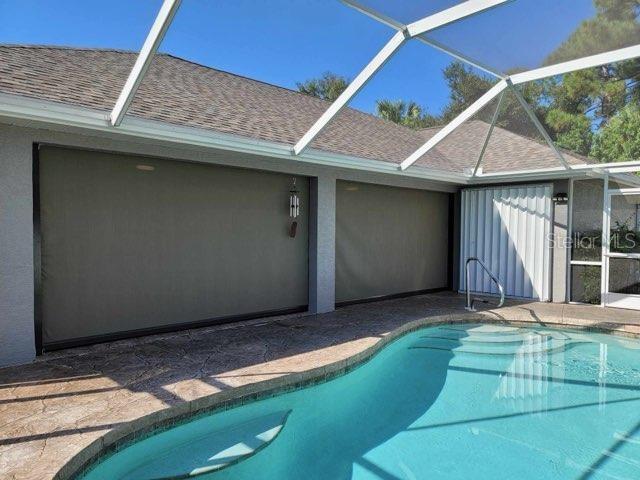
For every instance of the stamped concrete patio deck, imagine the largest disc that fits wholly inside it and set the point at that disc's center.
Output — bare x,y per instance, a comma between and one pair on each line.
52,409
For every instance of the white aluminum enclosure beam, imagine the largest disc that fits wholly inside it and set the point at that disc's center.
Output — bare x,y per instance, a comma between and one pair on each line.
574,170
630,169
390,22
148,50
494,119
534,118
436,20
474,108
354,87
444,17
376,15
633,180
459,56
450,15
606,240
574,65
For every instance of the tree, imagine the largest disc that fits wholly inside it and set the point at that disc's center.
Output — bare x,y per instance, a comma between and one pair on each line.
619,139
571,131
586,111
409,114
465,87
581,104
328,87
613,26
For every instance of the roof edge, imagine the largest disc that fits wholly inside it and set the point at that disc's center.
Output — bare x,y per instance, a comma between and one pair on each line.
46,112
160,53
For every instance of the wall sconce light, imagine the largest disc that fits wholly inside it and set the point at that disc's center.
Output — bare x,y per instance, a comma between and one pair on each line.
145,168
561,198
294,208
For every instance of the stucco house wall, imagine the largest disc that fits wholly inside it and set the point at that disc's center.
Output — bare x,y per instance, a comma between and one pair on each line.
17,289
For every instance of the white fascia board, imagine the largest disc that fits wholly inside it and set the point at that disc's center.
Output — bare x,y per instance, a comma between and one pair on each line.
144,59
38,113
574,65
455,123
605,166
629,169
580,170
354,87
450,15
524,176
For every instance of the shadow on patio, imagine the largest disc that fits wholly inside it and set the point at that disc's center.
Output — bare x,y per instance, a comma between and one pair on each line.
54,407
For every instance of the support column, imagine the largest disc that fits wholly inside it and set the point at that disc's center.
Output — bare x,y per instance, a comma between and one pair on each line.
560,230
322,244
17,341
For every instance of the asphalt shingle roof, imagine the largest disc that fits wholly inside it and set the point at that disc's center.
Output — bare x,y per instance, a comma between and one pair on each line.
180,92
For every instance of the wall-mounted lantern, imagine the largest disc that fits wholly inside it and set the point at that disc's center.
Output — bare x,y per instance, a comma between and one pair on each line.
294,208
561,198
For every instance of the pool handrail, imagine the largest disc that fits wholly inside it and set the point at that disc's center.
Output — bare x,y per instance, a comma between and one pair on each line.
470,300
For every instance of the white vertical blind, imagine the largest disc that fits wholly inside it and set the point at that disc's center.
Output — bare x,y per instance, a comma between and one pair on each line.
508,229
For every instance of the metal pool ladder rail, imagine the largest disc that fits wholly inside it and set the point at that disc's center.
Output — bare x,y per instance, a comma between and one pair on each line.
470,301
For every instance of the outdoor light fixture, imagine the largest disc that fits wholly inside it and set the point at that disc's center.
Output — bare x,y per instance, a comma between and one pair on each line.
294,208
145,168
561,198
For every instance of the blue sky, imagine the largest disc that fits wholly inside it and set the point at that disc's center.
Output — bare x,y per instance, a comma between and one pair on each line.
284,41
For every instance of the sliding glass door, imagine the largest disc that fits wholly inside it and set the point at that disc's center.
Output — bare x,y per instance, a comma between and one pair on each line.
621,252
586,204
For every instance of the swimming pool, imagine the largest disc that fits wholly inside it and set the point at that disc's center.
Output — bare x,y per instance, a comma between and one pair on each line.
452,401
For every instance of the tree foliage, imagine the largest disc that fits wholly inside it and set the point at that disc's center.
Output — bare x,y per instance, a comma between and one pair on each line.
465,87
593,112
584,109
328,87
619,139
409,114
614,25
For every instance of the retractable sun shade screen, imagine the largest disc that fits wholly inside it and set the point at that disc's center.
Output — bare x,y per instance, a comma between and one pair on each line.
389,240
133,243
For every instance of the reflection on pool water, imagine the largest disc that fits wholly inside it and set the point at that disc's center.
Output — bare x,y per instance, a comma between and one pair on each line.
454,402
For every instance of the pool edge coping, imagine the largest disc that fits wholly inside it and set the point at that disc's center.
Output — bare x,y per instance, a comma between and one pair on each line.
135,430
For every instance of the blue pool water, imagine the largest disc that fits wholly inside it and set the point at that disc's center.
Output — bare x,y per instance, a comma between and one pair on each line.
450,402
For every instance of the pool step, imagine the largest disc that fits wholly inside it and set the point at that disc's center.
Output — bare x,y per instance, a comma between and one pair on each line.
529,337
544,346
213,451
485,329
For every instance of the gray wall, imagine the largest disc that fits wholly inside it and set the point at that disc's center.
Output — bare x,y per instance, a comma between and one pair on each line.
322,240
560,250
389,240
16,251
17,342
126,249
